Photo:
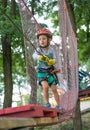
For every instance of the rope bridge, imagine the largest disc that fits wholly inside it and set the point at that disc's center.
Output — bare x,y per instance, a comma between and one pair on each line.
66,53
67,56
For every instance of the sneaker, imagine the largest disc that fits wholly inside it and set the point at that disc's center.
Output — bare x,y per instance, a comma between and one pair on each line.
48,105
59,107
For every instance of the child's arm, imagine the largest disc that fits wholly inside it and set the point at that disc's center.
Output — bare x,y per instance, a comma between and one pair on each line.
55,71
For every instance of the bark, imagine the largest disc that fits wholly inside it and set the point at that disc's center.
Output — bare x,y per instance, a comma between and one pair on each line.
13,7
28,38
31,74
7,67
77,119
7,60
71,14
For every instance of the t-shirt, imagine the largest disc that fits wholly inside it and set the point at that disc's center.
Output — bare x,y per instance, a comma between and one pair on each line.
50,53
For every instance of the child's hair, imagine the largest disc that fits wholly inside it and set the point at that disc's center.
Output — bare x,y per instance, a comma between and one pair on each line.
44,31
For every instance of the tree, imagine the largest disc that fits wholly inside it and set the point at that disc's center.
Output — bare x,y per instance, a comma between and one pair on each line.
81,11
10,39
7,64
10,33
12,49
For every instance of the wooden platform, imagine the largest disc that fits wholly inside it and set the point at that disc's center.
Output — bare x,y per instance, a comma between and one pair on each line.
28,111
84,93
28,116
34,115
9,123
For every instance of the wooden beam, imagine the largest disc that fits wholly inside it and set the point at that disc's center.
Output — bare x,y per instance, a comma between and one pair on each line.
84,93
8,123
29,111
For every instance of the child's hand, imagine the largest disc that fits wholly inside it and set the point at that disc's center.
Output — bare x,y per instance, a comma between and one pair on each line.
51,62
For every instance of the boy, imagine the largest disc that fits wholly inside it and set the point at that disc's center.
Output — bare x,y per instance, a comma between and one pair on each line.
46,59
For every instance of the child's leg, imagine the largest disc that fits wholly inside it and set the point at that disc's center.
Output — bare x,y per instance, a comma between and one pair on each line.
45,90
56,95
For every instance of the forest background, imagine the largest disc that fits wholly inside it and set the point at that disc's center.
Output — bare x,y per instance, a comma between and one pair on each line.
13,78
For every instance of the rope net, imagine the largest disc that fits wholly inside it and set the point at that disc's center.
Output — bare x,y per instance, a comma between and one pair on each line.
69,58
66,53
29,26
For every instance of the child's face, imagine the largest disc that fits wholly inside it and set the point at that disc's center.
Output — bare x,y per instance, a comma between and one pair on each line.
43,40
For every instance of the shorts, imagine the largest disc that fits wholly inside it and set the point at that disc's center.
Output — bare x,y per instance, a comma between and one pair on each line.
44,76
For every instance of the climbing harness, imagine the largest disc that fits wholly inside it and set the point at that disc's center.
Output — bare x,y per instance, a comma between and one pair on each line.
48,73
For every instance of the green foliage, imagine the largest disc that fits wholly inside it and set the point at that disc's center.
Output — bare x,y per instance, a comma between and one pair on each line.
67,125
12,26
81,9
82,12
43,25
88,65
40,99
27,99
44,9
49,10
19,103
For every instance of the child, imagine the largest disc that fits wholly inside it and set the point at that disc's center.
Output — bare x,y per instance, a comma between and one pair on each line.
46,59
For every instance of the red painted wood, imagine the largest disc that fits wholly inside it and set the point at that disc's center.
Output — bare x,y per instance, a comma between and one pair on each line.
84,93
30,110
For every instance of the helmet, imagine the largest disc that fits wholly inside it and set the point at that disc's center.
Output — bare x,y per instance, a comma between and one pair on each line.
45,32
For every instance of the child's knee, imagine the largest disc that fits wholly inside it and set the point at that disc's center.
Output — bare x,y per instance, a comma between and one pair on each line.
54,89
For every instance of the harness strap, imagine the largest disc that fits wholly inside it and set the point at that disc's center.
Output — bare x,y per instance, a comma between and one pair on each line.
44,70
48,70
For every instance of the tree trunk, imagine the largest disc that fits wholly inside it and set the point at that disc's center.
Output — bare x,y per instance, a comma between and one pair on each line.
7,66
13,7
77,119
27,24
7,60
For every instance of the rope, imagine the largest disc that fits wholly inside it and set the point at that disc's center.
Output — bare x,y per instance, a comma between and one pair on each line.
69,58
3,12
